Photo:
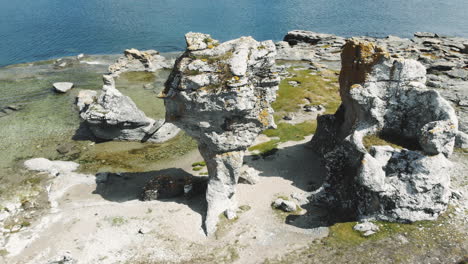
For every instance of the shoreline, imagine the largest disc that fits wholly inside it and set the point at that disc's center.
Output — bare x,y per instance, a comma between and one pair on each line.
73,55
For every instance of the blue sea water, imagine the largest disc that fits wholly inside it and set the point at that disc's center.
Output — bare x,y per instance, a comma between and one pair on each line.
42,29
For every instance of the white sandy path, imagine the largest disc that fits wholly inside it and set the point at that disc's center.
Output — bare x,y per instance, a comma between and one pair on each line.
103,226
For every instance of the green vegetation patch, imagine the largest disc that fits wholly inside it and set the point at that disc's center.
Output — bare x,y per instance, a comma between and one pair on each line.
285,132
321,88
394,243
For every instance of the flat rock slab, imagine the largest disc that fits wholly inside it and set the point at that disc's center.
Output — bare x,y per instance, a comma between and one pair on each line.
62,87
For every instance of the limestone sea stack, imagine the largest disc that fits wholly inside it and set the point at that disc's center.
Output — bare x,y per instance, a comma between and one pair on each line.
220,94
405,178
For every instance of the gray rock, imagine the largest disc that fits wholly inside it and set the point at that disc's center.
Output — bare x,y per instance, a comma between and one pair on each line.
386,96
248,175
458,73
298,52
425,35
285,205
63,87
367,228
220,95
461,140
441,66
114,116
135,60
63,258
230,214
302,36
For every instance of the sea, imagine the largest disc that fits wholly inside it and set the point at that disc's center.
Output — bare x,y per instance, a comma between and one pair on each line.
32,30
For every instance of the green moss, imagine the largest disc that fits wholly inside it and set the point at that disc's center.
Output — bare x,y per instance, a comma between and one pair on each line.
117,221
245,207
265,147
197,168
203,173
199,163
375,140
321,88
345,245
3,252
290,132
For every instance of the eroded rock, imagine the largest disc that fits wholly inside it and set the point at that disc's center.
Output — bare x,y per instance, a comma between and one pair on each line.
135,60
114,116
220,94
386,97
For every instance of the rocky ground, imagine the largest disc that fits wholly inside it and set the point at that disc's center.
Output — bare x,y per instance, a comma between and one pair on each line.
102,220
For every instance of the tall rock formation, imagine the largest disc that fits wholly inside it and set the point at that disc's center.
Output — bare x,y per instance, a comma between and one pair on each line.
220,94
386,98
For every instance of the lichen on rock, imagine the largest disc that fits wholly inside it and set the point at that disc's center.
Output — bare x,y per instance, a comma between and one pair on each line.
386,96
220,94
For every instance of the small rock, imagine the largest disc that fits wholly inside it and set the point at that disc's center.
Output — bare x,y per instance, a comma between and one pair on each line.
148,86
461,140
63,87
367,228
287,117
458,73
441,66
80,56
64,258
425,35
248,175
309,108
294,83
64,148
285,205
230,214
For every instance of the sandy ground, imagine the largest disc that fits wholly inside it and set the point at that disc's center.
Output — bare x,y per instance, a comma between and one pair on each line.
106,223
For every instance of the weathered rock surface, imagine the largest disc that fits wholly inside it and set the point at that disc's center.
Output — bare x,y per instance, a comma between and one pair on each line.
285,205
220,94
114,116
386,97
444,57
63,176
135,60
367,228
63,87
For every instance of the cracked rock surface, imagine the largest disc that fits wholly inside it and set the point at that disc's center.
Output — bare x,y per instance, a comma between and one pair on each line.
114,116
386,97
220,94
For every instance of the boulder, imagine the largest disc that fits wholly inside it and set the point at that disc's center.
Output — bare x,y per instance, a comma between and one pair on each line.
285,205
385,97
114,116
302,36
367,228
63,87
135,60
248,175
425,35
220,95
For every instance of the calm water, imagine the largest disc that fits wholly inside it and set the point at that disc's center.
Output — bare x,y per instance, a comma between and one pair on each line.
41,29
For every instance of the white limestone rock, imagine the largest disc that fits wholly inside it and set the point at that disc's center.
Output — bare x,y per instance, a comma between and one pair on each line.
386,97
63,87
135,60
114,116
220,94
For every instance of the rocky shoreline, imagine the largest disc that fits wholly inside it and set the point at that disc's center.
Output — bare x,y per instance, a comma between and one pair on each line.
222,95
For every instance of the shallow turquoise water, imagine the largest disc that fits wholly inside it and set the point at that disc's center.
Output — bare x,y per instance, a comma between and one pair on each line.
33,30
